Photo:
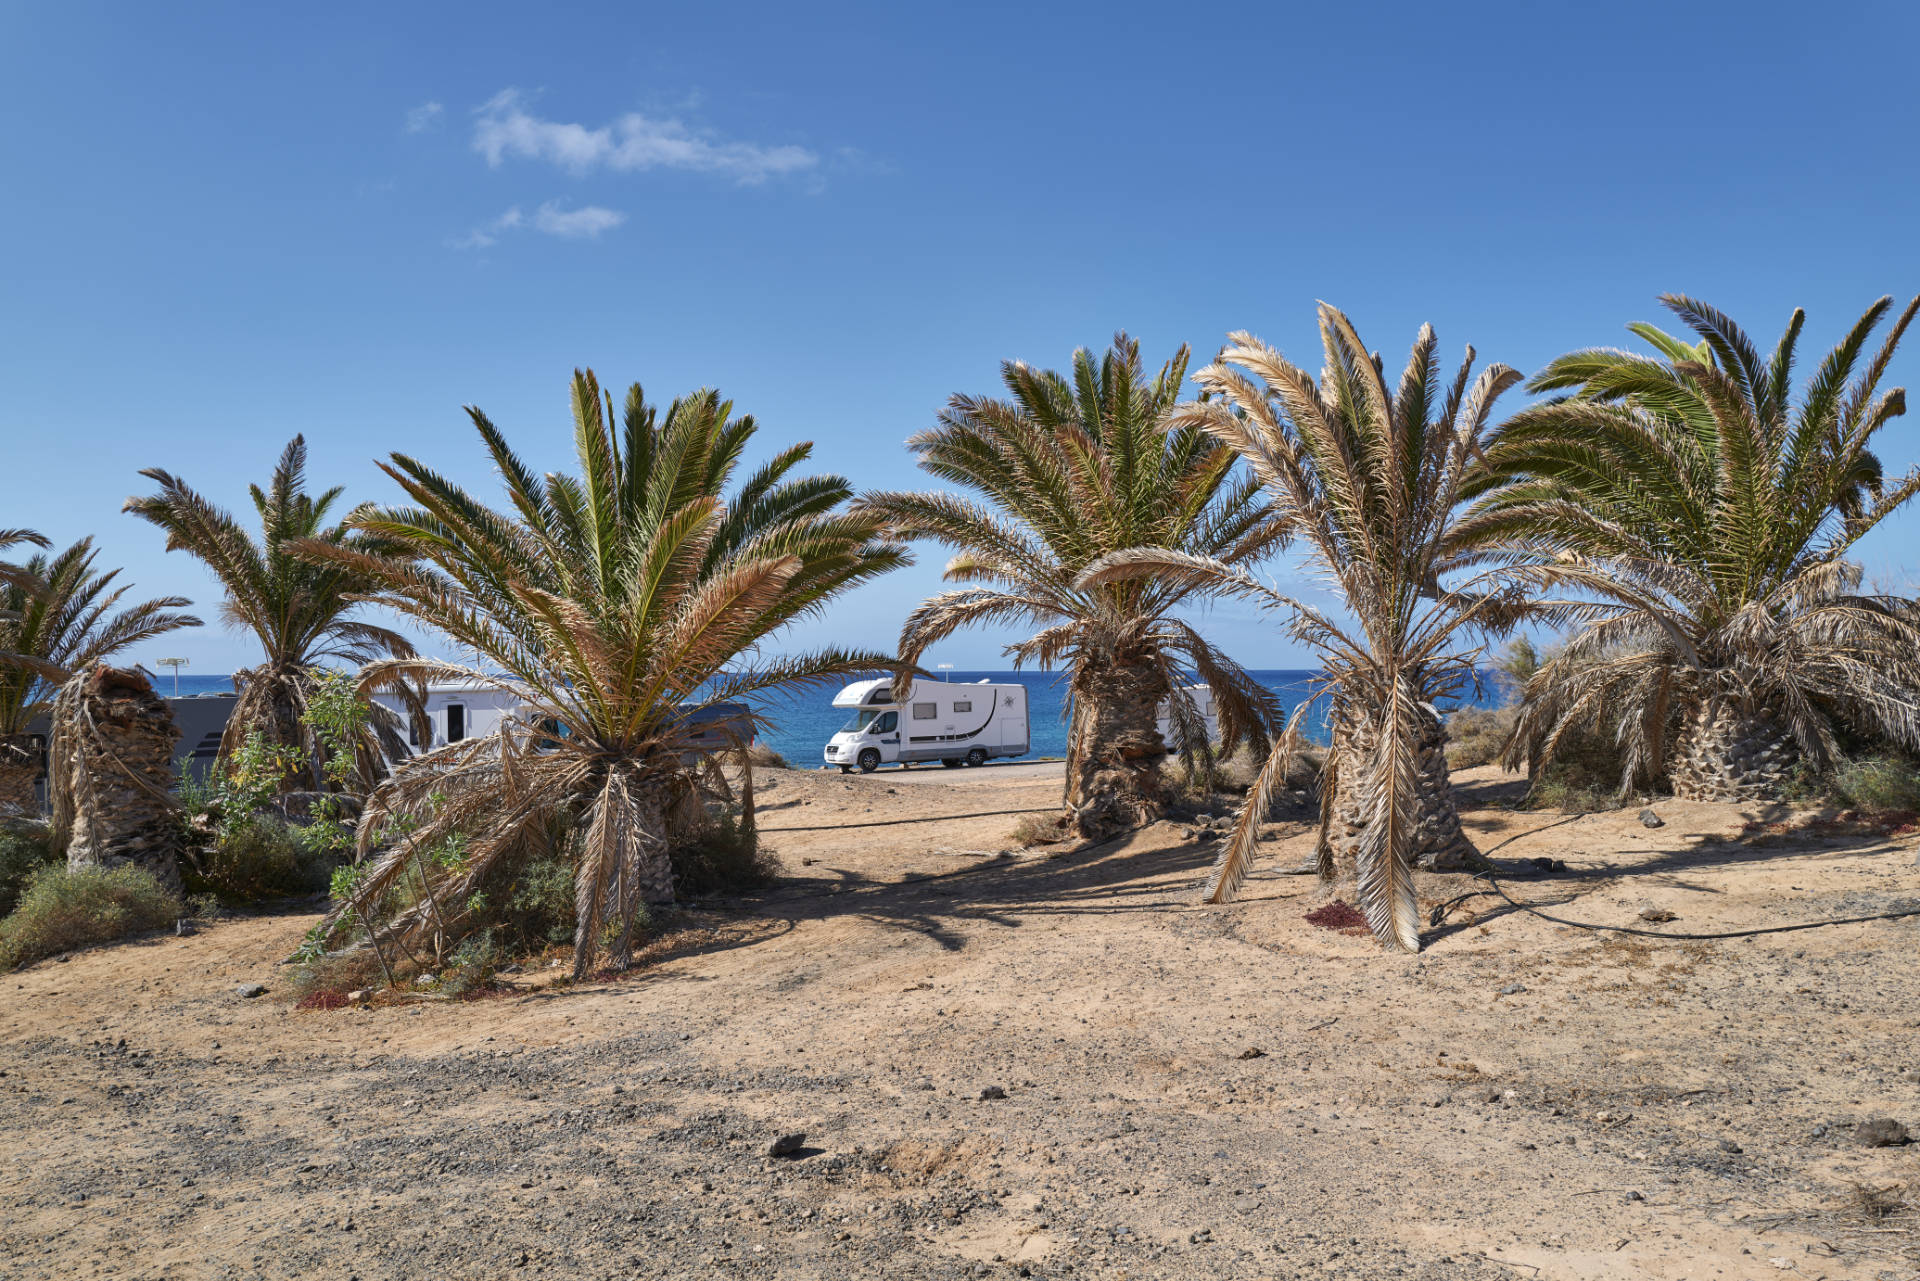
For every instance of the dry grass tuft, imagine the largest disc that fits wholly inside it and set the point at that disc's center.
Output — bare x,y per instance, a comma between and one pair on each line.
766,758
1877,1205
1042,829
334,974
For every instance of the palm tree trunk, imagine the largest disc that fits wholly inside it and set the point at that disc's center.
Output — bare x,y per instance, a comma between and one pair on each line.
1440,844
1728,752
270,702
1114,749
112,771
19,771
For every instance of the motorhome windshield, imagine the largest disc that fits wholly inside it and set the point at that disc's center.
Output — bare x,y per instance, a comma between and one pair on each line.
862,719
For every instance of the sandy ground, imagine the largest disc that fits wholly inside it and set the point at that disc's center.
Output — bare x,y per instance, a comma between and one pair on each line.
1189,1091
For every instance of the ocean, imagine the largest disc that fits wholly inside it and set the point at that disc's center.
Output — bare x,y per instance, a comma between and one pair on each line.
801,722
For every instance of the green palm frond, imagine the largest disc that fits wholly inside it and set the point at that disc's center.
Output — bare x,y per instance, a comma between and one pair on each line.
615,602
1068,469
302,614
1712,516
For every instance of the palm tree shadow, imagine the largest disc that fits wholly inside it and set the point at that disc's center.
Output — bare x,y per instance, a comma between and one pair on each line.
1116,878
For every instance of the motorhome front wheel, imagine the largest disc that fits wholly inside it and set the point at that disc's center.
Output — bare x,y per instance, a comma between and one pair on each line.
869,761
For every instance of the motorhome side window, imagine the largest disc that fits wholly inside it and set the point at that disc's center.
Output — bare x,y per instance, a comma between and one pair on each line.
888,722
456,722
925,711
962,706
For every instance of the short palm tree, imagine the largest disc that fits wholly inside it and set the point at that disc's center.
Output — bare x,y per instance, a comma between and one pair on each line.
1365,477
1071,468
58,615
620,606
303,614
1711,515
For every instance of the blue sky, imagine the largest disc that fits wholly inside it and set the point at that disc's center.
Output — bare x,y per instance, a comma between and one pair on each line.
222,225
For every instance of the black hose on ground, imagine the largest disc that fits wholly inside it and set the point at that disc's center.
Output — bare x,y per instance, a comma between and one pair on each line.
1489,878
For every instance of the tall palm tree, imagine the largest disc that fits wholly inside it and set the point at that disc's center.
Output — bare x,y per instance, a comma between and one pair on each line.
1366,478
621,606
58,615
1067,470
1711,515
304,614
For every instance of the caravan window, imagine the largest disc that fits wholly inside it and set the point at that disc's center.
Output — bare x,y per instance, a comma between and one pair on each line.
926,711
962,706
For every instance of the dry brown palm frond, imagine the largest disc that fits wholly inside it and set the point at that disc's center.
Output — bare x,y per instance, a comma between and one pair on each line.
1368,478
1385,857
1236,857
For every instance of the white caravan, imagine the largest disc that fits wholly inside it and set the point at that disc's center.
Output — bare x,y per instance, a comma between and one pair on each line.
943,721
1203,698
456,709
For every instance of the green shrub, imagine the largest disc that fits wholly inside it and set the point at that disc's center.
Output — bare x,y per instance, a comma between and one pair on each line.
727,860
1882,781
537,909
1574,793
471,967
1584,776
61,910
262,858
24,850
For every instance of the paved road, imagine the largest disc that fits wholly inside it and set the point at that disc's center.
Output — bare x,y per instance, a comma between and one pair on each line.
993,772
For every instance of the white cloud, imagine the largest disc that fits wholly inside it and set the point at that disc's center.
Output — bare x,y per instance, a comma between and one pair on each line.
424,117
584,223
633,142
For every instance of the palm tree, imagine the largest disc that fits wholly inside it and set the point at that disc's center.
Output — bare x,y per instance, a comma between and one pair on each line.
621,606
1711,516
1072,468
1366,478
58,615
302,613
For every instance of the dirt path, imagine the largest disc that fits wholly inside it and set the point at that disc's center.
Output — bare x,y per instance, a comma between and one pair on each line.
1189,1091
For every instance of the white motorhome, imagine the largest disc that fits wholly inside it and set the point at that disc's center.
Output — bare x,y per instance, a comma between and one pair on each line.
1203,698
943,721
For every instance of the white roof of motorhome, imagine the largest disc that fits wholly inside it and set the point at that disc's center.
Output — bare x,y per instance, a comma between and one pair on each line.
859,693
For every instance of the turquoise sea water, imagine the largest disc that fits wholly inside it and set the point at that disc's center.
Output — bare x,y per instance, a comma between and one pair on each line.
802,721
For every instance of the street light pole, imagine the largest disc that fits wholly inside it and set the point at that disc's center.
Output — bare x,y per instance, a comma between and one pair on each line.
176,664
